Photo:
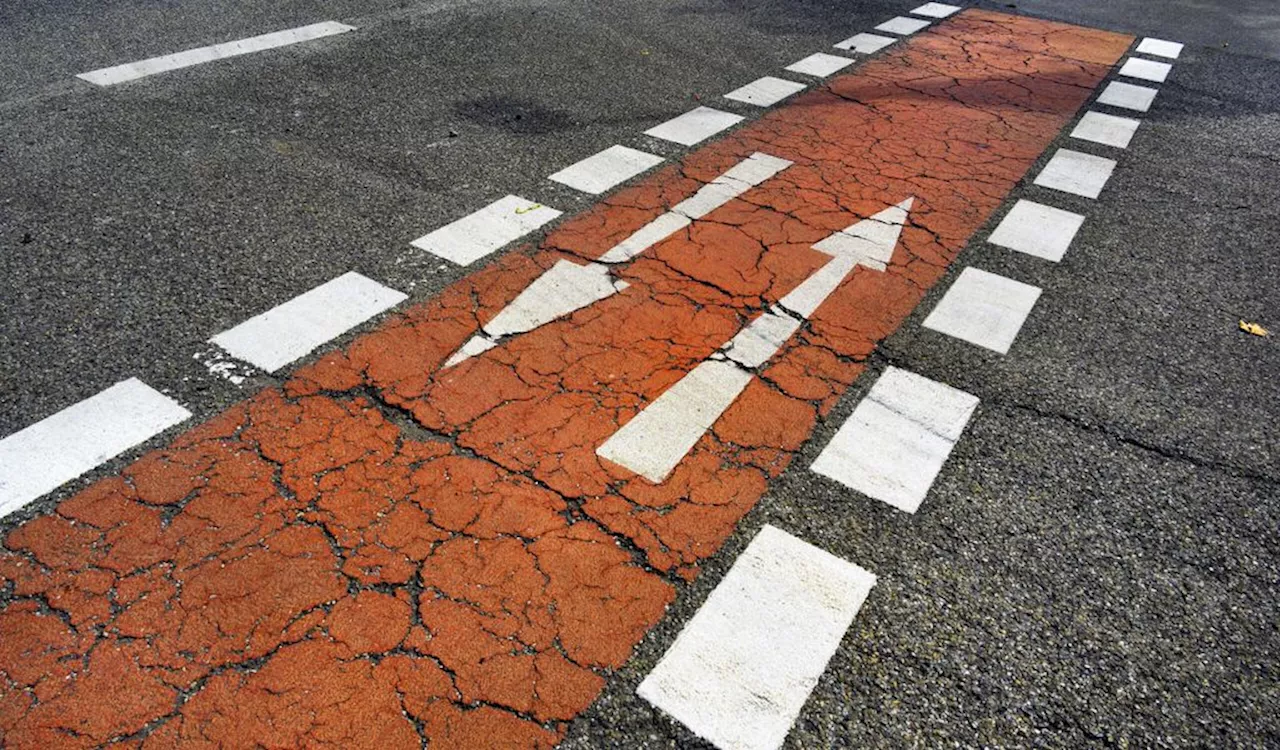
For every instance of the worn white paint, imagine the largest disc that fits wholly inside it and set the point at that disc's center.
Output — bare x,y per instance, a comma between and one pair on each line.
477,344
694,126
654,442
1076,172
1109,130
1160,48
646,237
1128,96
615,165
656,439
476,235
766,91
897,439
936,10
820,65
743,666
1036,229
135,70
59,448
869,243
984,308
865,43
903,25
1146,70
292,330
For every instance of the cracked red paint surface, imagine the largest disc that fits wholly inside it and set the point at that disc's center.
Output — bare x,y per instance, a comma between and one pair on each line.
380,553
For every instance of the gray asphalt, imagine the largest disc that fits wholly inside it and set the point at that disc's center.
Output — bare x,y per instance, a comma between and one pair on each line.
1094,567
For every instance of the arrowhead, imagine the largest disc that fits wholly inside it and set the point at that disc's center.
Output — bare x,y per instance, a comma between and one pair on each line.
871,241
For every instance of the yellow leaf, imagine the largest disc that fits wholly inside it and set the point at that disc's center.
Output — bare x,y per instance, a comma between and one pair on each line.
1253,328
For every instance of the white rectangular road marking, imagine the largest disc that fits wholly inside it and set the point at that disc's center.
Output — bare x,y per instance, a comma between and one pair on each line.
896,441
902,25
476,235
294,329
1147,70
694,126
1108,130
49,453
1036,229
657,438
764,92
614,165
936,10
865,43
984,309
1076,172
744,665
819,65
1128,96
1160,48
142,68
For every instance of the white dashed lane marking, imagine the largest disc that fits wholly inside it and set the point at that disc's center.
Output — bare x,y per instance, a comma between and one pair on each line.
142,68
896,441
567,287
984,308
865,43
1076,172
1128,96
764,92
294,329
1160,48
476,235
935,10
654,441
615,165
902,25
1147,70
1036,229
694,126
819,65
49,453
744,665
1108,130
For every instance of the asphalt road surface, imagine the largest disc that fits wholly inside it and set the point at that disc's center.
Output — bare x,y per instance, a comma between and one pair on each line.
370,545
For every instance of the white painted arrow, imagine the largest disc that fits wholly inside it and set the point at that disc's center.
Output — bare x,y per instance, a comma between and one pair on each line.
567,287
660,436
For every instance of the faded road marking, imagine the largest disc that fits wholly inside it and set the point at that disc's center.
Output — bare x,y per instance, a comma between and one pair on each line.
897,439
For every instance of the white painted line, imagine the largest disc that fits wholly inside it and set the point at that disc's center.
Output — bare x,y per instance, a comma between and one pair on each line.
865,43
984,309
744,665
819,64
1076,172
292,330
1128,96
656,439
614,165
476,235
1160,48
1108,130
53,451
1036,229
1147,70
141,69
646,237
902,25
759,341
936,10
895,443
694,126
764,92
